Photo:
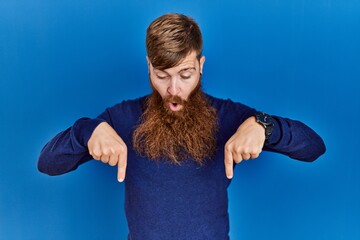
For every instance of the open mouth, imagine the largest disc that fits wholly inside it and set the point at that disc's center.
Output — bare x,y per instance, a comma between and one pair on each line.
174,106
174,103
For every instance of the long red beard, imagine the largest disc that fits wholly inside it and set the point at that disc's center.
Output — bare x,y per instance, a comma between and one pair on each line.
176,136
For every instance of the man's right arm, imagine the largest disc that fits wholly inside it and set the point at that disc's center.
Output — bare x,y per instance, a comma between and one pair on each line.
68,149
97,138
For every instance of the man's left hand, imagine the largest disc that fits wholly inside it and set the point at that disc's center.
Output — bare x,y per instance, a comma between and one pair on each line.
246,143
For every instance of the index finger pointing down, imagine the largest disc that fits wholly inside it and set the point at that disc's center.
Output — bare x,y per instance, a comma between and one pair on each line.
122,166
229,164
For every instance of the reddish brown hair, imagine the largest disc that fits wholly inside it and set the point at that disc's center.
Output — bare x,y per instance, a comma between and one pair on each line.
170,38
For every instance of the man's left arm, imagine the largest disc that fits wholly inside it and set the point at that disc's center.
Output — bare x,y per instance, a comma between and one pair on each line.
289,137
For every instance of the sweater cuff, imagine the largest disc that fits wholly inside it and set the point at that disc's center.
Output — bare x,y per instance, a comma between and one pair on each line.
84,127
276,134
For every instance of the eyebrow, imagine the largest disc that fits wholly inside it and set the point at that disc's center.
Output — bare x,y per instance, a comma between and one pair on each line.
182,70
187,69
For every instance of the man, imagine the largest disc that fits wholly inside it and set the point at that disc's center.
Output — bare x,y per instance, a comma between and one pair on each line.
175,148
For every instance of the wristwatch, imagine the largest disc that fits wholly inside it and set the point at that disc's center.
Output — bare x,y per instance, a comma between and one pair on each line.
266,121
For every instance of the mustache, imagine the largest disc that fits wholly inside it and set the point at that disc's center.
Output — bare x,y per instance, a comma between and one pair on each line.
174,100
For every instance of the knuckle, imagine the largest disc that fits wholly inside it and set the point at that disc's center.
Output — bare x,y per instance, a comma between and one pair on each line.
117,150
106,152
121,148
227,160
112,163
95,155
237,161
123,159
228,147
124,147
97,152
247,150
239,149
112,151
256,150
237,158
253,152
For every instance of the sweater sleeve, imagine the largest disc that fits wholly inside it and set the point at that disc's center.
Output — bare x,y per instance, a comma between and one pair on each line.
295,139
68,149
290,137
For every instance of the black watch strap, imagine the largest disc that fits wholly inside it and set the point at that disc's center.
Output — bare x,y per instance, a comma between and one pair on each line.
266,121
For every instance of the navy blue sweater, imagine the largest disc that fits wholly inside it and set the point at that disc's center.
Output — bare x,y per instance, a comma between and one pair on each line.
167,201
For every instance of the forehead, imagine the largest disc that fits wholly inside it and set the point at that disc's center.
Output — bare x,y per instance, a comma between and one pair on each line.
190,61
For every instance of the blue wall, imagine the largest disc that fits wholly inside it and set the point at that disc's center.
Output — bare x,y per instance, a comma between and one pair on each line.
61,60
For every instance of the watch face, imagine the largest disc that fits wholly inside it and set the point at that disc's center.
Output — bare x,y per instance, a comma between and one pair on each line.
266,121
264,118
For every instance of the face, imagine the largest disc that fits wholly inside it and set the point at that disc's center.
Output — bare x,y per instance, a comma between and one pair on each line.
177,122
176,83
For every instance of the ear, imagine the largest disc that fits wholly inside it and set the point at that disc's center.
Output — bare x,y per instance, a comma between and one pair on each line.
202,61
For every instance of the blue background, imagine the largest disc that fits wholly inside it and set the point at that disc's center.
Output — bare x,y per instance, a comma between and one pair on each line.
61,60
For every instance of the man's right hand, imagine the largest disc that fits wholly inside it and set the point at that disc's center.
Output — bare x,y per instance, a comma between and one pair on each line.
106,145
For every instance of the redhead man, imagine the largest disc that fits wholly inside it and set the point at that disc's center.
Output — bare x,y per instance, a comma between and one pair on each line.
175,149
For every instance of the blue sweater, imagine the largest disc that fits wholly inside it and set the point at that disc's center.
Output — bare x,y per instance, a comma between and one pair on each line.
165,201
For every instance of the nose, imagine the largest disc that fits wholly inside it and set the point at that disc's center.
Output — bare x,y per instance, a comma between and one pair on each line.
173,88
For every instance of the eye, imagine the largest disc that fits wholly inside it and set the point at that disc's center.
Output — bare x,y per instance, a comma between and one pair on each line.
161,76
185,76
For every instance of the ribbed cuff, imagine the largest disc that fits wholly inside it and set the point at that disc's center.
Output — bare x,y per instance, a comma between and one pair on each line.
84,127
276,134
